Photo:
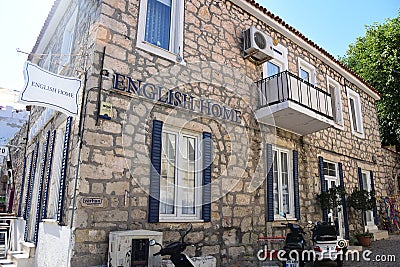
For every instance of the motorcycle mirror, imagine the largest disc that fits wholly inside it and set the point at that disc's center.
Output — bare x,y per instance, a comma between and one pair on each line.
152,242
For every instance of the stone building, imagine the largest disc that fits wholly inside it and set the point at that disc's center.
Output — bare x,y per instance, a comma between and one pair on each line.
180,124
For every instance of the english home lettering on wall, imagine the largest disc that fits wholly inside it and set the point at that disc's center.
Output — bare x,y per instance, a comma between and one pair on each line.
175,98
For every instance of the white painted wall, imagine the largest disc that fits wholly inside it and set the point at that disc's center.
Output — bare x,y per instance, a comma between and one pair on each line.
53,245
17,234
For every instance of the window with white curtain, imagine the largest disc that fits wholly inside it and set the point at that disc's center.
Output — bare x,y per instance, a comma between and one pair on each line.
282,185
356,120
67,42
180,177
336,101
160,28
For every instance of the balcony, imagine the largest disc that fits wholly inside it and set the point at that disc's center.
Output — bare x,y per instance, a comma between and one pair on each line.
294,104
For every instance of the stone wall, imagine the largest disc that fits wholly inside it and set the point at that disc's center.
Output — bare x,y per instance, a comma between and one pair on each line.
115,154
213,33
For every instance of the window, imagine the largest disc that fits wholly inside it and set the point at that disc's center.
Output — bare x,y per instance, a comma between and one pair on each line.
278,63
356,121
330,175
54,187
67,41
307,71
160,29
180,176
336,101
304,75
282,185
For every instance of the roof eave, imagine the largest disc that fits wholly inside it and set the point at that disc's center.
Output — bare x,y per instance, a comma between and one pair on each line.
280,25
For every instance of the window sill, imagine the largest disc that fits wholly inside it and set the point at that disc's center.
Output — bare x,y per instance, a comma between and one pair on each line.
173,220
160,52
359,135
338,126
50,221
280,219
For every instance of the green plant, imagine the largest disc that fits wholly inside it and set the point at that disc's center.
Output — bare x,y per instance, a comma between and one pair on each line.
331,198
362,200
365,233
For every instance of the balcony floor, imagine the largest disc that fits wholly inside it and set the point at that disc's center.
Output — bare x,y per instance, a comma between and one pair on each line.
293,117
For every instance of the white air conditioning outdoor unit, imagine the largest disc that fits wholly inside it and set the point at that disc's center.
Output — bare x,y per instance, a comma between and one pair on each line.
131,249
257,45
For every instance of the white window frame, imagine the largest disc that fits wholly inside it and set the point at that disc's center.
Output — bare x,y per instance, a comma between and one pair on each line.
280,58
178,216
330,178
359,132
176,38
337,97
67,42
302,64
54,187
291,214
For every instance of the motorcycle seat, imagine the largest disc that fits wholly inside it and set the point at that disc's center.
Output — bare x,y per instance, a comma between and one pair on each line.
326,238
293,246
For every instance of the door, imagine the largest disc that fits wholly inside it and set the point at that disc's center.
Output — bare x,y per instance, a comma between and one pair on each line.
369,214
331,181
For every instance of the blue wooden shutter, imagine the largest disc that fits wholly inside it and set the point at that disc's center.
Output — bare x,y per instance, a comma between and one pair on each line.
63,171
270,184
48,174
371,173
30,191
344,204
361,183
207,169
322,181
28,185
21,194
155,170
40,188
360,180
296,184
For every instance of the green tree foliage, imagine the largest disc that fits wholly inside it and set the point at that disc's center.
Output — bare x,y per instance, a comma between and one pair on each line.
376,58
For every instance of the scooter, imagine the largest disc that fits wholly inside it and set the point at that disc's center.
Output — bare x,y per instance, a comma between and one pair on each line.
175,251
294,245
326,245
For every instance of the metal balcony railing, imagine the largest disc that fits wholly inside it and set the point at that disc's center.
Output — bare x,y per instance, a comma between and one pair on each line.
286,86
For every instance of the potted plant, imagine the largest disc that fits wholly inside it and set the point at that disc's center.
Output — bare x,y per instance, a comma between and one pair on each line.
364,238
361,201
331,198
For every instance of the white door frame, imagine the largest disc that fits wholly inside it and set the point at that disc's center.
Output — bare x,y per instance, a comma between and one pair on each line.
330,182
369,214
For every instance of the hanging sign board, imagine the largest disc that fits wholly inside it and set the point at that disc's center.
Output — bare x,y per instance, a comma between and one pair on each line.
46,89
3,151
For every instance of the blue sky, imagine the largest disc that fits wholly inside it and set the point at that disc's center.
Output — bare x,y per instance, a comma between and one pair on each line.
332,24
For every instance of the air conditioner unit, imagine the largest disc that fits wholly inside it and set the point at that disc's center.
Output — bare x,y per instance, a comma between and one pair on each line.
257,45
131,249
